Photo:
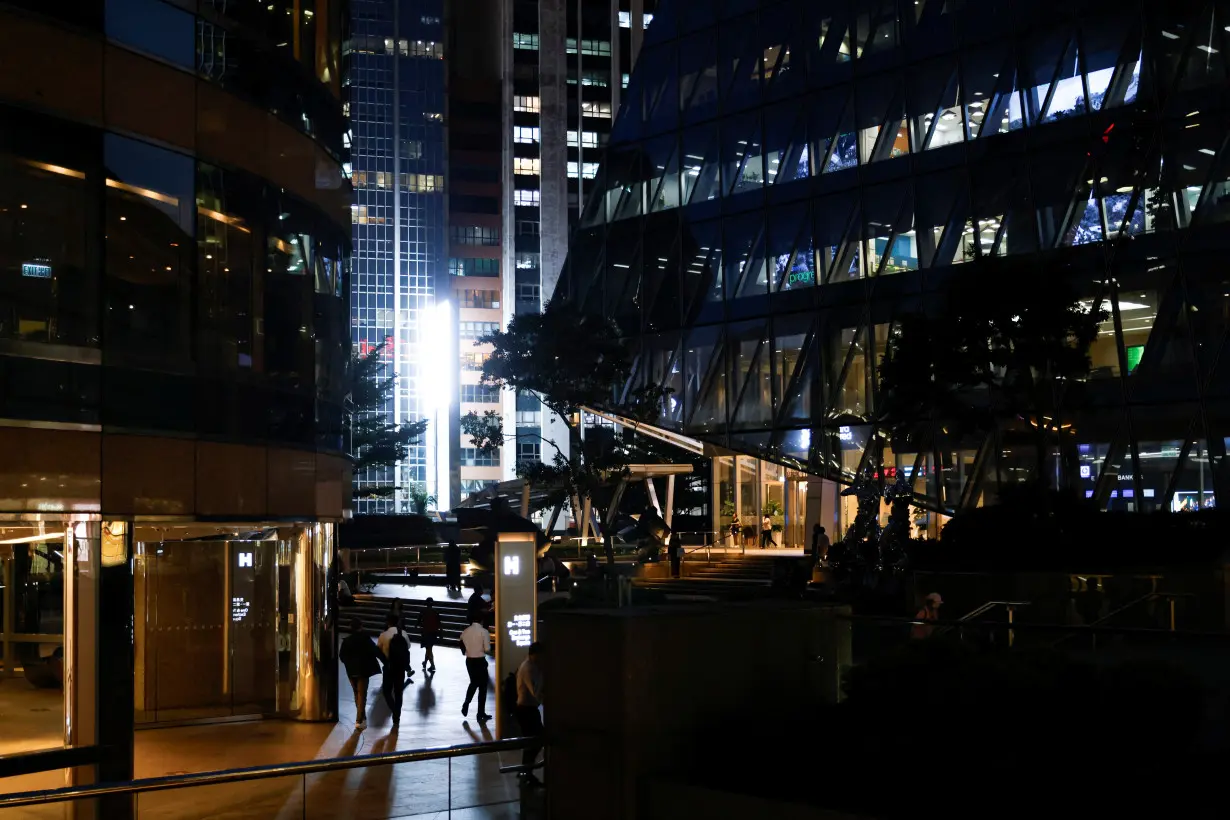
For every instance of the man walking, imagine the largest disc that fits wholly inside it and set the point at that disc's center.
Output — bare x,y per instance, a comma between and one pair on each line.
529,698
475,642
362,660
396,665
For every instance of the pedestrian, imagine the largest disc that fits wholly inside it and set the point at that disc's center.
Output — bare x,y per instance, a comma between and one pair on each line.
393,626
735,527
452,566
819,545
475,643
766,532
344,596
396,610
396,668
529,698
929,614
429,632
362,660
477,606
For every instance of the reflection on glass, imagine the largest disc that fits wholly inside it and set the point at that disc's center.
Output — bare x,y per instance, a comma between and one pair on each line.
32,665
150,221
45,292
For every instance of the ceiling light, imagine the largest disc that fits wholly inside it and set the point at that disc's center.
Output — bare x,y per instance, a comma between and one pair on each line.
1170,36
1209,49
1126,189
1208,151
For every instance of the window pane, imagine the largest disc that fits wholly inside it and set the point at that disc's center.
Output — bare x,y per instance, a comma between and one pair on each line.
149,225
153,27
47,292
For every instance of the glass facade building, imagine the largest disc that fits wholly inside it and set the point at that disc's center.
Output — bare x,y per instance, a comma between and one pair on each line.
786,180
396,85
174,279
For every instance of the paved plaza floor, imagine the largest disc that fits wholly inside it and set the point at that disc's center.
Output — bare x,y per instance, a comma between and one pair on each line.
431,716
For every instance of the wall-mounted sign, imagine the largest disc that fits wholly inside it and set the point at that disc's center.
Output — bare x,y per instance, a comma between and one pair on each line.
516,608
520,629
35,270
245,559
1086,471
844,434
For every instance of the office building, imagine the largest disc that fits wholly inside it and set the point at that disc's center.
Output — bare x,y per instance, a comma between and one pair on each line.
174,263
396,99
786,178
555,76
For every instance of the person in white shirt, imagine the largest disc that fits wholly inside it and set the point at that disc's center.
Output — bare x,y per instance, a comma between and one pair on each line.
475,643
529,698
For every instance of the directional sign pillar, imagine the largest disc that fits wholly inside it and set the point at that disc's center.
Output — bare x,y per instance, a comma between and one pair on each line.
516,612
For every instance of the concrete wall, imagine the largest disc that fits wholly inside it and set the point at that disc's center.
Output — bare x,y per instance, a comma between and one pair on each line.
630,691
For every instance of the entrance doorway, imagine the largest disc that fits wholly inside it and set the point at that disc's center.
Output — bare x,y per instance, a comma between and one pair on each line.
206,638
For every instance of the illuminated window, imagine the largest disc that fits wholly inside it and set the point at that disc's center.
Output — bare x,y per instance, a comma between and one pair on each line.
527,261
529,166
594,48
528,104
526,41
589,139
527,197
596,109
482,299
591,170
473,361
591,77
434,116
625,19
526,134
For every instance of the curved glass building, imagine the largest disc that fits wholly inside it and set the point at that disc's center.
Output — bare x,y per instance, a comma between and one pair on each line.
174,265
788,179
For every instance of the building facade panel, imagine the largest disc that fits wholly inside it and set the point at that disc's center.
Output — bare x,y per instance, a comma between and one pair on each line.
787,180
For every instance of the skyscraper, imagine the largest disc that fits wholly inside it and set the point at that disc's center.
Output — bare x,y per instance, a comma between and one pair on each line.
397,107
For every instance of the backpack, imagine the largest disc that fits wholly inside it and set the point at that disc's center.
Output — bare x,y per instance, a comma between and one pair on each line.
509,693
399,652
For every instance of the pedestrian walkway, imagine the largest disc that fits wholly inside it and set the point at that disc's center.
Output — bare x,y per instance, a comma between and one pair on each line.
431,716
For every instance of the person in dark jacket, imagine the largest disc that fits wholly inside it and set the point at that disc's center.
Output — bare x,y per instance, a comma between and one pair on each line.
396,665
452,566
429,632
362,661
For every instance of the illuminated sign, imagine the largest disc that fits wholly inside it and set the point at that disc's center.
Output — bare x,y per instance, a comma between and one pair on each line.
844,434
801,277
1086,471
245,559
239,608
520,629
34,270
512,565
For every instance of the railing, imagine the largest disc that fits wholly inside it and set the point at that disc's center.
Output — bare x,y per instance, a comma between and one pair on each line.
311,789
990,606
1148,597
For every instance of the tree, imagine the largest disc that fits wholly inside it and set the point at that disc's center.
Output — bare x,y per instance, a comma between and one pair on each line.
1002,352
374,440
570,360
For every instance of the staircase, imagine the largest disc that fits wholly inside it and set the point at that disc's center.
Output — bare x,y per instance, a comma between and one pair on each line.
733,578
372,609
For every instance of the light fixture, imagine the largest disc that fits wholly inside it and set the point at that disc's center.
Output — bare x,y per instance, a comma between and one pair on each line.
1208,151
1208,49
24,206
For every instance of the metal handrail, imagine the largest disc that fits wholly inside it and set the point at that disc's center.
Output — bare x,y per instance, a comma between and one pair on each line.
1148,596
306,767
1070,629
1011,606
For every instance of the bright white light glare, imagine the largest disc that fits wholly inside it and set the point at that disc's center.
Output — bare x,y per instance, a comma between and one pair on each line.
437,382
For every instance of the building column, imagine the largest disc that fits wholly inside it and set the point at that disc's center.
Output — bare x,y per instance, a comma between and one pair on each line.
313,675
98,655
